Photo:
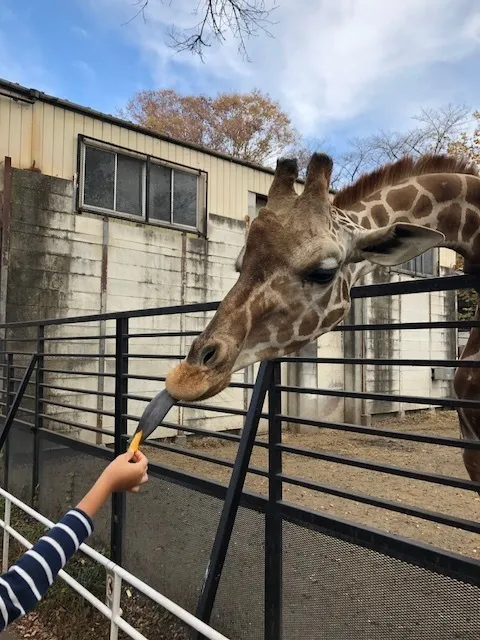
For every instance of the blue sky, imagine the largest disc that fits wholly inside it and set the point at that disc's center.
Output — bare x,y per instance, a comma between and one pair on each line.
339,69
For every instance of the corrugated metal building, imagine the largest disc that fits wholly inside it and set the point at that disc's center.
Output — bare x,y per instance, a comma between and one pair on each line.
106,216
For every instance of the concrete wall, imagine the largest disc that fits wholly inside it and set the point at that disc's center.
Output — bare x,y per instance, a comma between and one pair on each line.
62,263
417,344
55,268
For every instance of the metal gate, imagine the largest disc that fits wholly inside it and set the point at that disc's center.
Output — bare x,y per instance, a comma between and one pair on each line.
253,563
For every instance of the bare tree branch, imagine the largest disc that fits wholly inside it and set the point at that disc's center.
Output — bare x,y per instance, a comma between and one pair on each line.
438,131
241,18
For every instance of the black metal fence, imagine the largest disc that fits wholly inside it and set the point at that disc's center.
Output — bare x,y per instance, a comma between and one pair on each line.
253,563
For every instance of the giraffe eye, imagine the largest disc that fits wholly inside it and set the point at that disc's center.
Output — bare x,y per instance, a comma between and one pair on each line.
321,276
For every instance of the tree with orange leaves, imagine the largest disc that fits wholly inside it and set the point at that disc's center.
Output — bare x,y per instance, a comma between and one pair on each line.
468,144
250,126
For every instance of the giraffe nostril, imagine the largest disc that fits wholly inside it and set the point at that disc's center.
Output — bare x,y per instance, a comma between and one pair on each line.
208,355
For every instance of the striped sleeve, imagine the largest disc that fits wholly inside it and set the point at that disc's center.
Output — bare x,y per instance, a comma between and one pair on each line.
27,581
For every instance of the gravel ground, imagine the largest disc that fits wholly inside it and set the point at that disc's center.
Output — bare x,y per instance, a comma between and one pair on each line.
419,456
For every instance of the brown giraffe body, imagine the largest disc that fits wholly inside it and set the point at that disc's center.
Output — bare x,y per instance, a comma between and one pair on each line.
449,203
303,254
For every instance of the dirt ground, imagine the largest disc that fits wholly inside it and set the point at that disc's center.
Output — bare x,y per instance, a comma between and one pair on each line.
413,455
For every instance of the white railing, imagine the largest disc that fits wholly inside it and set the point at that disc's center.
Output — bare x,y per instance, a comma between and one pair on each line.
116,573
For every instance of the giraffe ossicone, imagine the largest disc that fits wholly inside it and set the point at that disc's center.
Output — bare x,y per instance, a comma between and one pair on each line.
303,253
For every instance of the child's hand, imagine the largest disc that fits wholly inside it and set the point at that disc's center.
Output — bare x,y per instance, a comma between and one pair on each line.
127,472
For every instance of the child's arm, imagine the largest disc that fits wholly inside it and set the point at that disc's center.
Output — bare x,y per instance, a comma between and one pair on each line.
27,581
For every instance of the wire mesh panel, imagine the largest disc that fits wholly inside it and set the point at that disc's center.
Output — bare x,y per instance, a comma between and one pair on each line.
65,476
239,606
334,589
169,532
20,455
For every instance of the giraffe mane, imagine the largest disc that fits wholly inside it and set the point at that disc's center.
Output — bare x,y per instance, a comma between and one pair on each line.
392,173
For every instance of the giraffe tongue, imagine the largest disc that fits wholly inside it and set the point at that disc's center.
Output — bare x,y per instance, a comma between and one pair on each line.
154,413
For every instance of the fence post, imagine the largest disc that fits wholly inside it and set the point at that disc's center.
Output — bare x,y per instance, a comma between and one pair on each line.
39,409
232,498
121,405
273,520
10,392
115,606
6,535
12,412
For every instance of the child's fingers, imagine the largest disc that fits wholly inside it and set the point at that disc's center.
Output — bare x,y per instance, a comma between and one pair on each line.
140,457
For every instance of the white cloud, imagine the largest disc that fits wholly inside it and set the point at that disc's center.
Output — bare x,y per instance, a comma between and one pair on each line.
78,31
85,69
329,62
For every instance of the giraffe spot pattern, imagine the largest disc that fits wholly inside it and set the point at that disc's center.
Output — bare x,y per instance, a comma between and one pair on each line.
373,197
379,215
308,324
470,350
353,217
358,207
366,223
333,317
443,187
402,199
476,250
473,191
285,334
345,291
472,222
449,220
423,207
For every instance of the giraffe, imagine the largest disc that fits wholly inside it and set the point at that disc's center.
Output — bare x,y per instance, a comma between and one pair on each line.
302,255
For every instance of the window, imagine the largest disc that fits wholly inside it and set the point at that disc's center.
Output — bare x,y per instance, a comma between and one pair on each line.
255,203
423,265
140,187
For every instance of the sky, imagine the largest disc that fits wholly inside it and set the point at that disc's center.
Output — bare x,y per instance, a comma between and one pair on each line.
338,68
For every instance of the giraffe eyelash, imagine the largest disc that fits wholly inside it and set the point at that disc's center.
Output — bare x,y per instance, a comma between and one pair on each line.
321,276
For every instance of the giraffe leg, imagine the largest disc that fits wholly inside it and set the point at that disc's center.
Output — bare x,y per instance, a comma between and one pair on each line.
470,428
471,460
467,387
469,420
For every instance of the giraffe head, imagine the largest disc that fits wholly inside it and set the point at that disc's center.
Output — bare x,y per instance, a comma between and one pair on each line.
301,257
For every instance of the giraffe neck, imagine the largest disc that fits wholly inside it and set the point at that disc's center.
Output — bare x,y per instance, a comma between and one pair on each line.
449,203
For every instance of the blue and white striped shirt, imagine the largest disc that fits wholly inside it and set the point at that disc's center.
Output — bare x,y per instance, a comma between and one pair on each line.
28,580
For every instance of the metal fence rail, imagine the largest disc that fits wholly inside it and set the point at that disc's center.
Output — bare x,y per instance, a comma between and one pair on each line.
120,575
235,512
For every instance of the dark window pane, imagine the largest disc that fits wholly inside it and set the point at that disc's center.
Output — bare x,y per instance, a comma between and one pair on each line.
261,201
160,190
99,178
185,199
428,262
129,185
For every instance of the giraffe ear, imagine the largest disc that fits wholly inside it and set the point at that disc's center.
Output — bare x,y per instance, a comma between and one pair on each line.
396,244
239,260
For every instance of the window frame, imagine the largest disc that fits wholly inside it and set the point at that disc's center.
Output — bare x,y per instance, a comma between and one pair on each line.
252,206
202,187
419,274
